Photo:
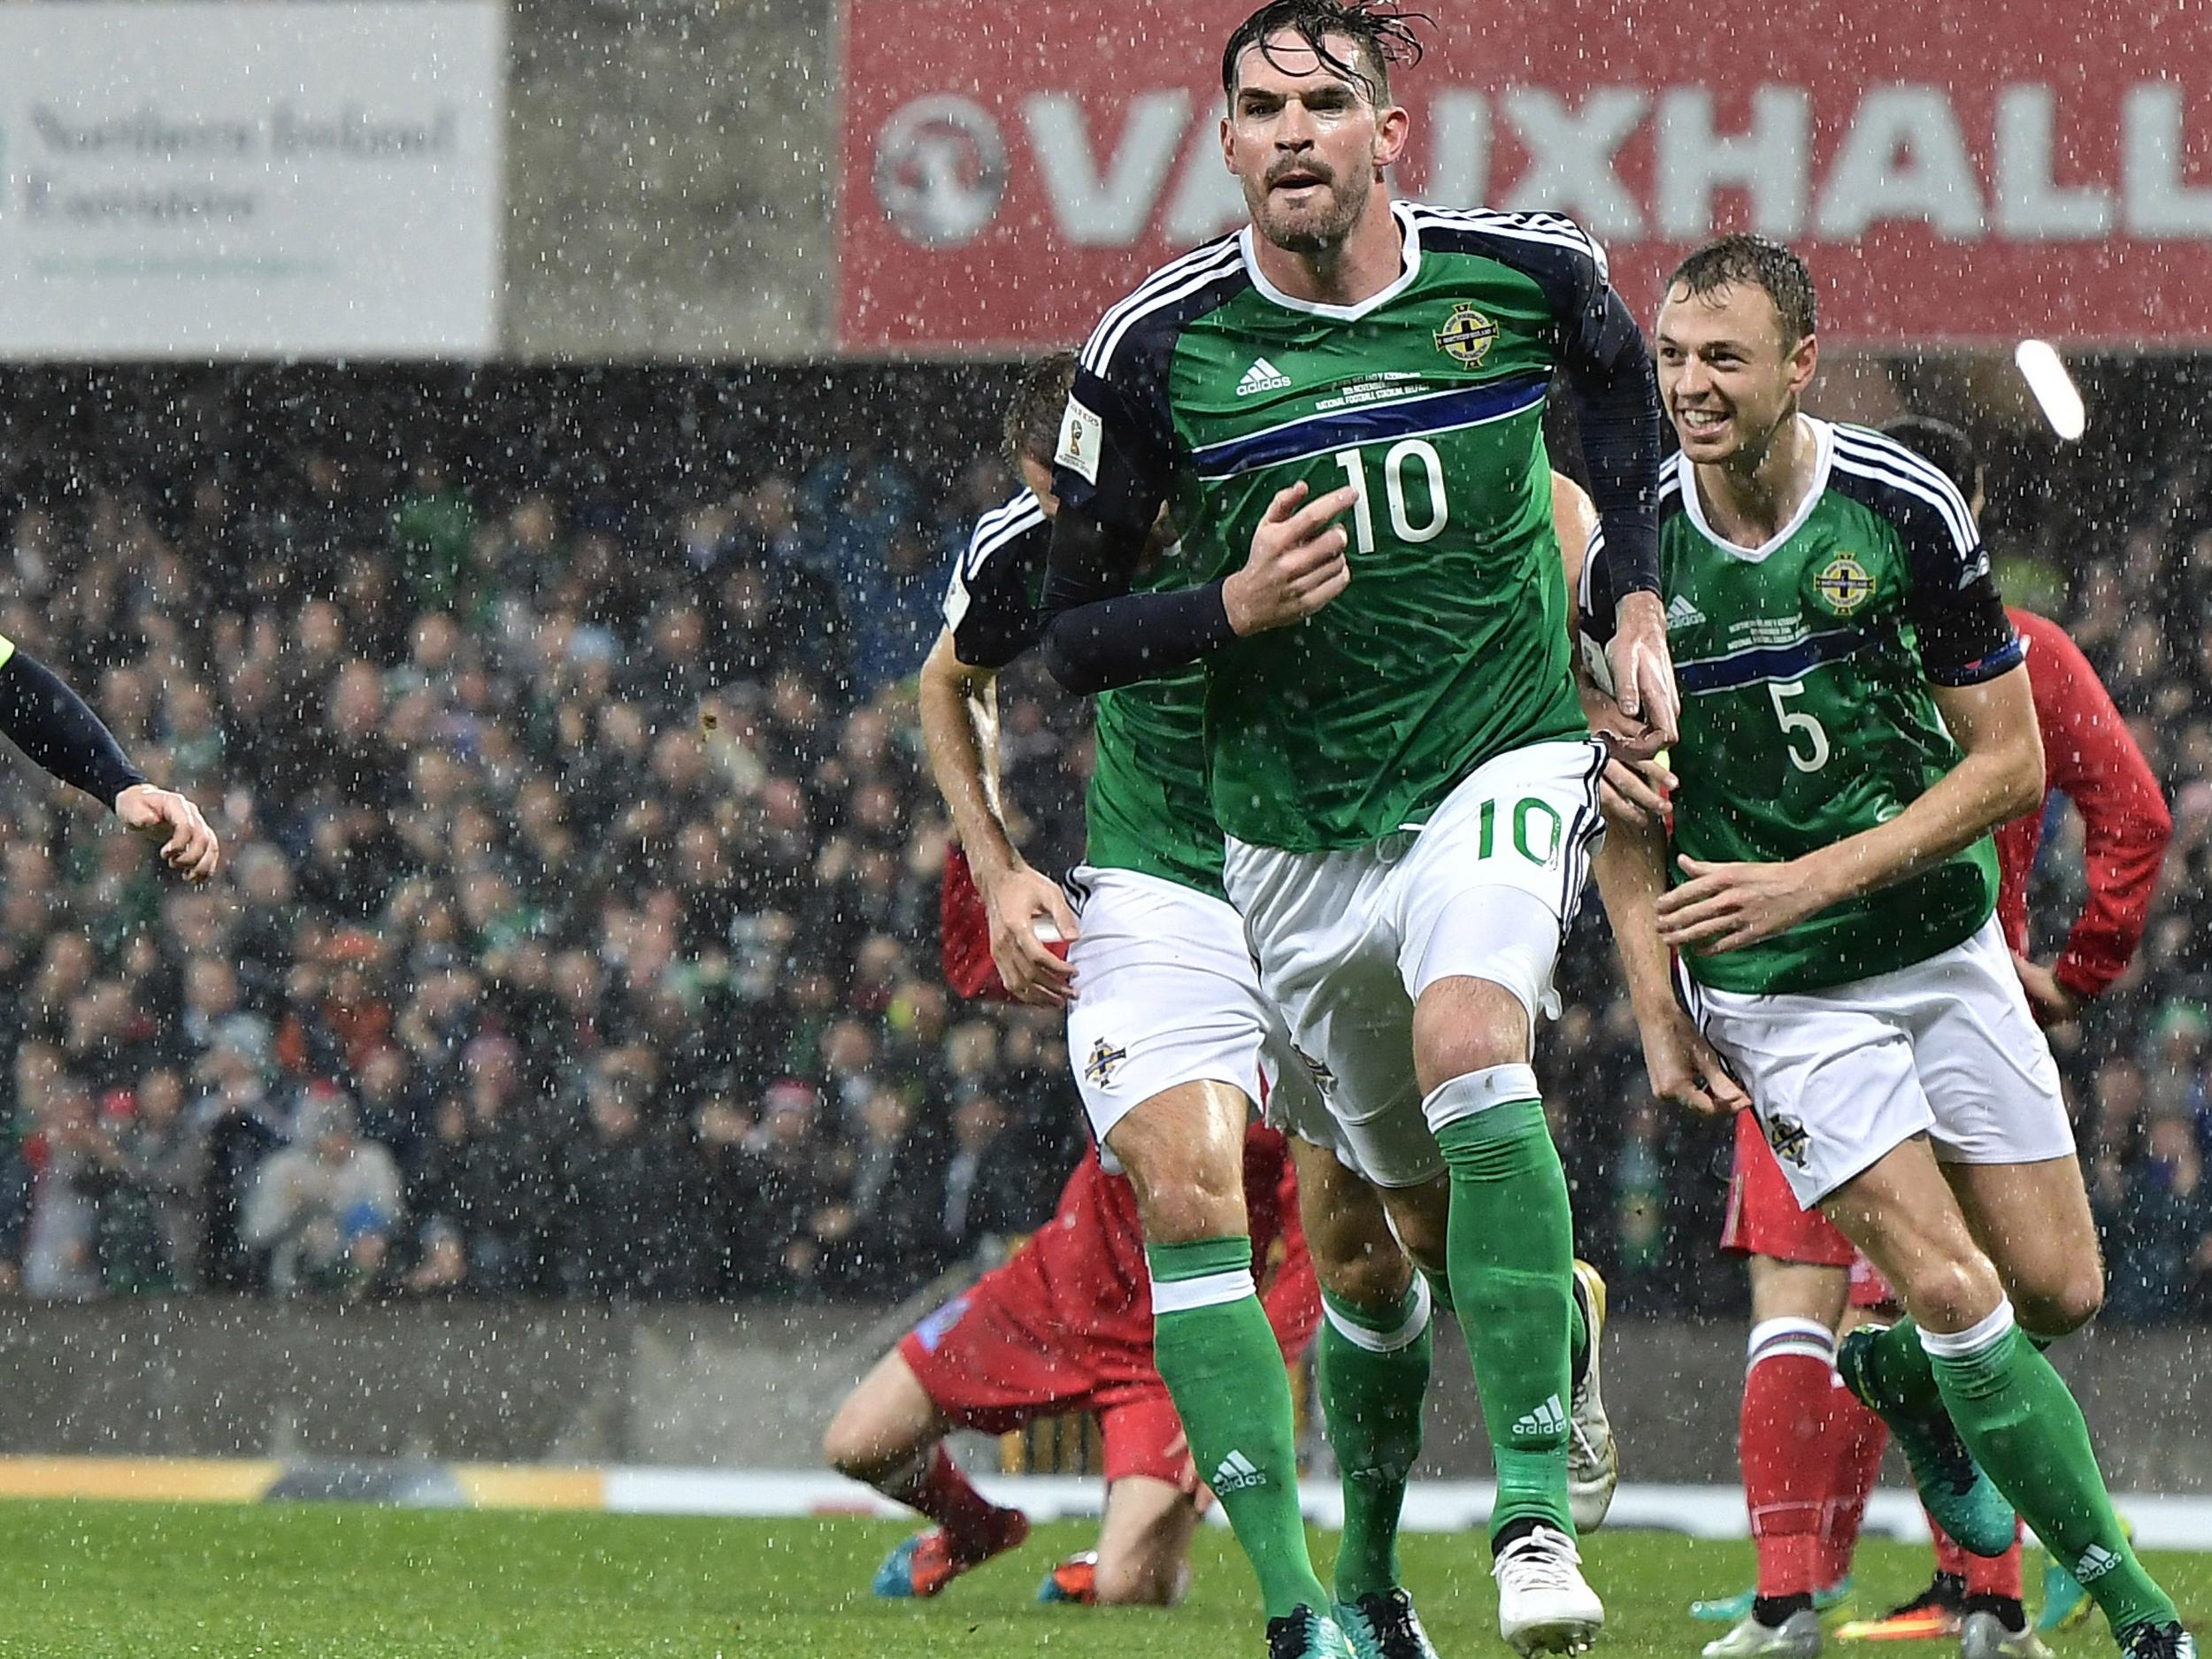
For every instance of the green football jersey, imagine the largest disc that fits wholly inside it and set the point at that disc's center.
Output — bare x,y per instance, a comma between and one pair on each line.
1805,668
1209,390
1147,807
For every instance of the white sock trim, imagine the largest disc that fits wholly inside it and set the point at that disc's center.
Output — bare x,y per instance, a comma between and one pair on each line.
1209,1290
1472,1092
1796,1335
1383,1342
1983,1333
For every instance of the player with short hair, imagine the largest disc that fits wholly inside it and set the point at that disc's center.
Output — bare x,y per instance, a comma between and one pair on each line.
1341,407
1811,1451
1857,719
1165,1016
1198,1013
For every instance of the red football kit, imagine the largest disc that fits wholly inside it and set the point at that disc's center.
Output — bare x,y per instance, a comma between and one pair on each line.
1066,1324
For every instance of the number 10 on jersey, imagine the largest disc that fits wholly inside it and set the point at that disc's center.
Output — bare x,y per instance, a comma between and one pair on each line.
1398,461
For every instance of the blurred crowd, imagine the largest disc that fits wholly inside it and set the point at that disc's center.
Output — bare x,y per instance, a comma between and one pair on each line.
577,935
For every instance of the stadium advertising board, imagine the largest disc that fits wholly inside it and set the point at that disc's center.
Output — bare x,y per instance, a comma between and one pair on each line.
248,181
1956,173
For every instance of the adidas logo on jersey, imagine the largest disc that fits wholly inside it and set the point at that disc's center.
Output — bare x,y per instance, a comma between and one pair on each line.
1262,376
1235,1474
2096,1561
1548,1418
1683,614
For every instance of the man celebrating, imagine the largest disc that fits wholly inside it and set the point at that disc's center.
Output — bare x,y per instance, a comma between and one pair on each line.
1341,407
1857,719
1811,1451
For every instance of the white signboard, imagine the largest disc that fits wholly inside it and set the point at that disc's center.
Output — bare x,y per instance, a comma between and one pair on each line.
250,179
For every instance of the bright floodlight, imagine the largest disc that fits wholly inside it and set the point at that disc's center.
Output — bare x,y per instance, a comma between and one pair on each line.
2054,390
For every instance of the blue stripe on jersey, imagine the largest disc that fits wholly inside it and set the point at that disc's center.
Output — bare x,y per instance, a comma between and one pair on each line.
1769,662
1411,418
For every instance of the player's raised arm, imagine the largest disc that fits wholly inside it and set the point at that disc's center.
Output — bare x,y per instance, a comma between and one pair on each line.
52,725
1633,783
1615,391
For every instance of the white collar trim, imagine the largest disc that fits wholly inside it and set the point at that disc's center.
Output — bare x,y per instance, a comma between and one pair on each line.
1824,457
1412,268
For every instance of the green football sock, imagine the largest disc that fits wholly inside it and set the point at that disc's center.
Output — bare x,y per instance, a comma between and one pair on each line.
1511,1245
2020,1422
1374,1376
1216,1353
1898,1375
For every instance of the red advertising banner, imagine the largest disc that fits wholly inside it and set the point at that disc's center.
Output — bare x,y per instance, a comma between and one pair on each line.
1955,173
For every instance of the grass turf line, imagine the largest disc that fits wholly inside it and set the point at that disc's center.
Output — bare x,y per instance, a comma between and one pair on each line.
292,1581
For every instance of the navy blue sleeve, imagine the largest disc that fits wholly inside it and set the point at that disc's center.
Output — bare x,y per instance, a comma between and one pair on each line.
1113,473
1958,617
991,604
48,722
1615,390
1102,635
1116,456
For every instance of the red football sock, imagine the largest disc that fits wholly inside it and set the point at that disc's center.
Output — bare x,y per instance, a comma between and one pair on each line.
933,1485
1785,1390
1985,1575
1857,1438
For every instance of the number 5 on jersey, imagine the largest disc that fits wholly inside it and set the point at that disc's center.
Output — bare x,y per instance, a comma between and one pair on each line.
1395,464
1797,724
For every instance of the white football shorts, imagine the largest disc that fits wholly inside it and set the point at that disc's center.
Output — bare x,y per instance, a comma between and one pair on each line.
1946,1047
1167,995
1347,940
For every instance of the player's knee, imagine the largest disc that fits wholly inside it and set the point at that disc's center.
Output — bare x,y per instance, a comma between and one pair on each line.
853,1446
1421,1218
1182,1211
2062,1308
1423,1236
1196,1196
1951,1293
1461,1025
1376,1275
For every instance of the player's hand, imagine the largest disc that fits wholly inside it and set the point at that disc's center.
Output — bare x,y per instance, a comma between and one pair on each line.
1635,791
2052,1002
1017,902
1687,1069
188,845
1724,906
1629,739
1643,670
1297,564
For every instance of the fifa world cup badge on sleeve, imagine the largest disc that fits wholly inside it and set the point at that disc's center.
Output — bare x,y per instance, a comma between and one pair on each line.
1080,431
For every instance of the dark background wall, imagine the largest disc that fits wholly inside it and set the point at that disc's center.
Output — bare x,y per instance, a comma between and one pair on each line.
752,1386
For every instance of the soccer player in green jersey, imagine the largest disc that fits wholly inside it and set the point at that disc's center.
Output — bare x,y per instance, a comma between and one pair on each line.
1342,409
1856,719
1164,1005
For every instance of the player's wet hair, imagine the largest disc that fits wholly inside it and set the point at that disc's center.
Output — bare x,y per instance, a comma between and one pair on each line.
1947,447
1381,33
1760,262
1032,414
